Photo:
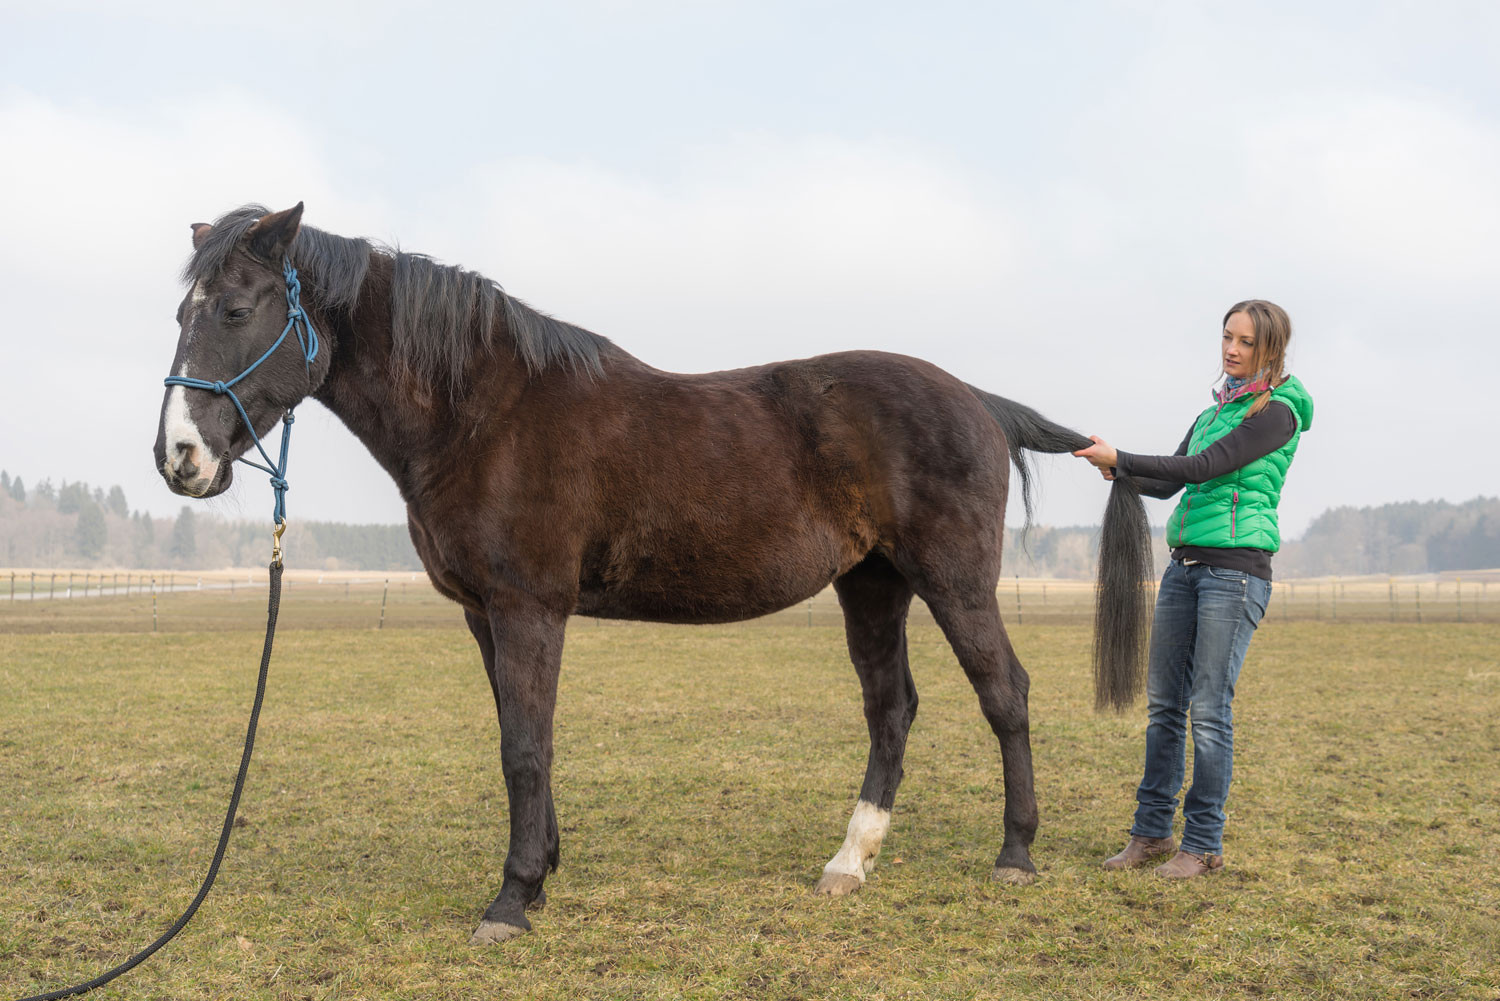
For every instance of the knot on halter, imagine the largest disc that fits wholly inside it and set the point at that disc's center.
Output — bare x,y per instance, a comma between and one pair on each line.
219,388
296,317
279,484
287,418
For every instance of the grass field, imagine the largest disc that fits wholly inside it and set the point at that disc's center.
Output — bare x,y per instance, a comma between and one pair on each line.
703,777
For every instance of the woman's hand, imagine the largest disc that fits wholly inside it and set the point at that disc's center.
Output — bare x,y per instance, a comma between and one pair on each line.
1102,454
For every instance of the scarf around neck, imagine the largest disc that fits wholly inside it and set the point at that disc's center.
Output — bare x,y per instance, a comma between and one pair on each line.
1235,387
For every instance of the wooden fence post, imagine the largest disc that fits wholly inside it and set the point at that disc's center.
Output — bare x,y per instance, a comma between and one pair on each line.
384,591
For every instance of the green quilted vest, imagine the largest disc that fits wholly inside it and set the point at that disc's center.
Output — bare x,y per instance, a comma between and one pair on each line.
1238,508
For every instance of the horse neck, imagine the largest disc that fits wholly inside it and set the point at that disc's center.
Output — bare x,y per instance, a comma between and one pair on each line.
402,418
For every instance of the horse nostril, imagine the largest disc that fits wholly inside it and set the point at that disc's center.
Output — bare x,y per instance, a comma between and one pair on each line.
186,466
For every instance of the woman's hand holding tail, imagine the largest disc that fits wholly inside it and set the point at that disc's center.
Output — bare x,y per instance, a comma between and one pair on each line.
1102,454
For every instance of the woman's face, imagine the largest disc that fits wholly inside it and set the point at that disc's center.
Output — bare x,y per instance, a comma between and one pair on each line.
1239,346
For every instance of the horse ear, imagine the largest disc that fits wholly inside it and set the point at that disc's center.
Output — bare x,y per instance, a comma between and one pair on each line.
271,235
200,233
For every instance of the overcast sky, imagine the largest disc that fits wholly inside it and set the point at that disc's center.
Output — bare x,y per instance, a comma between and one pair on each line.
1055,202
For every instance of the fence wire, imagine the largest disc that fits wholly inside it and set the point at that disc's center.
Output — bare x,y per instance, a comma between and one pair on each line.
49,600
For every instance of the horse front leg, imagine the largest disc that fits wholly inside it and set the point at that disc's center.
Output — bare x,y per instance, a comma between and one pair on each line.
479,625
527,642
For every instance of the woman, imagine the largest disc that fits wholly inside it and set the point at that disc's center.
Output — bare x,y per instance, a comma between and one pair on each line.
1233,462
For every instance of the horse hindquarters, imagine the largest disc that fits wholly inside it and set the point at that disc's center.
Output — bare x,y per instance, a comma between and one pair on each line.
875,599
523,654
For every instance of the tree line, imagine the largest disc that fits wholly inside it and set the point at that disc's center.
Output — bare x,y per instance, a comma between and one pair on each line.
78,525
1411,537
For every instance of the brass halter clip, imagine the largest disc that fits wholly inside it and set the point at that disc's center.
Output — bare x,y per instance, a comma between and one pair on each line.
276,542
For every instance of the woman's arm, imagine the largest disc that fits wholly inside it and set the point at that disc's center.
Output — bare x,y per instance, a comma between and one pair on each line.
1151,486
1105,459
1255,438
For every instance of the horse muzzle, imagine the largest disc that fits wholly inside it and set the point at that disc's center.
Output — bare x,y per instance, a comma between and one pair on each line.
192,471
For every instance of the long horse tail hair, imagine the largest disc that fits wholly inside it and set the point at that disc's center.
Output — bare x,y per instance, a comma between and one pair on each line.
1122,611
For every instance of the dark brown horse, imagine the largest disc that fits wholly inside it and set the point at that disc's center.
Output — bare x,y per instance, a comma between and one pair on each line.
548,473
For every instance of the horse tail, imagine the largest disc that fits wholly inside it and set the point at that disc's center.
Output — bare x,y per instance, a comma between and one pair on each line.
1122,613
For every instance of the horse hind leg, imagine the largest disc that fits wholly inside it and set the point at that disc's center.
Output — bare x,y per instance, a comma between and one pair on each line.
875,599
974,630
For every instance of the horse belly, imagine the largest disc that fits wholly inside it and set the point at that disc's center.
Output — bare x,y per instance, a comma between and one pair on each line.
687,585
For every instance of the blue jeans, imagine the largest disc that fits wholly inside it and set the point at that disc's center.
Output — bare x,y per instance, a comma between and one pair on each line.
1205,617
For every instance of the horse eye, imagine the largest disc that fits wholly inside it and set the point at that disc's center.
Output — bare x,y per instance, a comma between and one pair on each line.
238,314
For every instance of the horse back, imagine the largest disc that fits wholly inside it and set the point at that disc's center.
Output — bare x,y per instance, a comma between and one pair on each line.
750,490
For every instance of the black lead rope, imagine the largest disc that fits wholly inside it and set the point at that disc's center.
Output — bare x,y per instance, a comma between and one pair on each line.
234,802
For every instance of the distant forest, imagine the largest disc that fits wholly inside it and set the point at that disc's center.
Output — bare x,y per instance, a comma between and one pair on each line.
1406,538
75,525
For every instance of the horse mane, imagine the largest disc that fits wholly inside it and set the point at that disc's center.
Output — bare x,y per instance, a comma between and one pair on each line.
441,314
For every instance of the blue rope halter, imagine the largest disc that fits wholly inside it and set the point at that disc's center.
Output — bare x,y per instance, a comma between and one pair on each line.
296,322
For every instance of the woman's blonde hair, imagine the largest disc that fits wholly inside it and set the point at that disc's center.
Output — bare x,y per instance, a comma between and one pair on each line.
1273,329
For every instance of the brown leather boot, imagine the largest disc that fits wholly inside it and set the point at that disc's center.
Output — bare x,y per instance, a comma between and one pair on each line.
1141,851
1186,865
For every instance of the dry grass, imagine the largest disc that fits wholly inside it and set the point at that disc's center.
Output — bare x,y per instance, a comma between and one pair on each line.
703,776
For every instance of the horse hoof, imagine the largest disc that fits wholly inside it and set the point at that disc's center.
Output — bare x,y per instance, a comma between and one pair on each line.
1012,876
837,884
493,932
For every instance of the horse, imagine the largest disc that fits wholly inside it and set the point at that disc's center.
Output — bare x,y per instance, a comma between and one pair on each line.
547,472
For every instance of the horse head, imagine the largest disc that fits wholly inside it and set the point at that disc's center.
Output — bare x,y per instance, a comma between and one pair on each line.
235,309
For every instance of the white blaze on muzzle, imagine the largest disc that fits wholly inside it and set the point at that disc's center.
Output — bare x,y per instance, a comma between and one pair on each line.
185,447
